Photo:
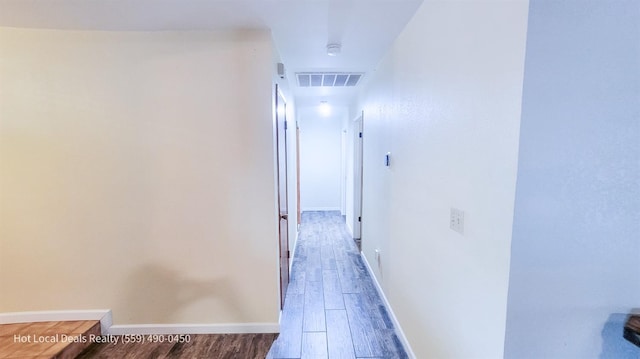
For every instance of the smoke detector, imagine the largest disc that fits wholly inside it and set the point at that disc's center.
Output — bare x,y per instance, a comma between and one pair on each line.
333,49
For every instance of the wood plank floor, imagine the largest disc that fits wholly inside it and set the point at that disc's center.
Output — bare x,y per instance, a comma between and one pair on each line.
332,309
213,346
46,340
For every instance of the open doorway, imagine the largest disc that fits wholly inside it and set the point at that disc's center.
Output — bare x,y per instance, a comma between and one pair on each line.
321,182
331,164
357,179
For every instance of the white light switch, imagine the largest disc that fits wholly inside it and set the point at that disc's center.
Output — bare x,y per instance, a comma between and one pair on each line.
456,221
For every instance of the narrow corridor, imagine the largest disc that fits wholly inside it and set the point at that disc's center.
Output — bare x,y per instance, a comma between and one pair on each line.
332,309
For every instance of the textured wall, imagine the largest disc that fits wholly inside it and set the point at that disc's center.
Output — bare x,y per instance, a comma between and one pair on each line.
446,103
575,269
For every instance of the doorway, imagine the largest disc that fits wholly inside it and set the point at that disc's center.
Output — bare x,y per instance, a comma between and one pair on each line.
283,198
357,179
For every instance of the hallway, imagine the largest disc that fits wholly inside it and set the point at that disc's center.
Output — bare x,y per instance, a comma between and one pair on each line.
332,309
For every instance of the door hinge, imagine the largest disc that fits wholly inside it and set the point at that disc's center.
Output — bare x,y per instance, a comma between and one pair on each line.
288,254
359,219
285,125
360,134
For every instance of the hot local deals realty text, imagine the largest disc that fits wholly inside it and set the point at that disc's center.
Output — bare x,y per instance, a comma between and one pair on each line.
66,338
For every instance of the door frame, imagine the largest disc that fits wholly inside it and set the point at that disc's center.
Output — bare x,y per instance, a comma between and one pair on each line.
358,137
298,210
283,196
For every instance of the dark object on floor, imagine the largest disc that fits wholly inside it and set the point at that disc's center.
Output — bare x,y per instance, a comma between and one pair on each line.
632,329
214,346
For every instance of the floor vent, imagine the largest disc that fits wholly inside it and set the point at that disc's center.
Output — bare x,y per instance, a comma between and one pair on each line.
328,79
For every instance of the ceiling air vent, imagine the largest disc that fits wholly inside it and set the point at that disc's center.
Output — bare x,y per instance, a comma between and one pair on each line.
328,79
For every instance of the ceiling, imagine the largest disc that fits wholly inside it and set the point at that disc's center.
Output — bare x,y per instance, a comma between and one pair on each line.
301,28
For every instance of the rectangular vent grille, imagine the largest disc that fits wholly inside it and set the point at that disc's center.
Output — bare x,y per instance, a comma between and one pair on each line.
328,79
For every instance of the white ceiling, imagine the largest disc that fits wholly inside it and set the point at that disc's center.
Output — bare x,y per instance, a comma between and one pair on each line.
301,28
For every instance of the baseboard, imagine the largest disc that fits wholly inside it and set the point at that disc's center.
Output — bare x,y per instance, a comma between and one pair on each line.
102,315
232,328
320,209
394,319
349,229
107,327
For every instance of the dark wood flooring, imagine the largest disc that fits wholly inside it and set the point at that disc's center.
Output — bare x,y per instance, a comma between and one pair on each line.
213,346
46,340
332,309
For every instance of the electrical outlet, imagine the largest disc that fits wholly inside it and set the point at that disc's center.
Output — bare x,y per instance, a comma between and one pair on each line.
456,221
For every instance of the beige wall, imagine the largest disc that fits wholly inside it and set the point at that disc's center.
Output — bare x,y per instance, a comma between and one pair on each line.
446,103
136,174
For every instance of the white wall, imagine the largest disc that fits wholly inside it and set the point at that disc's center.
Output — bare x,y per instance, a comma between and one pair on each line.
137,174
320,158
446,103
575,265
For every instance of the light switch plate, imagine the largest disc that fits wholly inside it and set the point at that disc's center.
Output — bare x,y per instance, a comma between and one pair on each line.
456,221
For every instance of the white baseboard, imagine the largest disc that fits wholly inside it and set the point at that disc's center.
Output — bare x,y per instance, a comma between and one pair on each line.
315,209
107,327
396,325
103,315
232,328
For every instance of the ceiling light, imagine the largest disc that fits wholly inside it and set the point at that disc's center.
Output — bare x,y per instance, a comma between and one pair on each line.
333,49
324,109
